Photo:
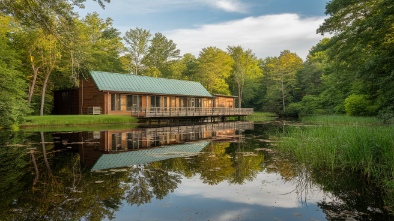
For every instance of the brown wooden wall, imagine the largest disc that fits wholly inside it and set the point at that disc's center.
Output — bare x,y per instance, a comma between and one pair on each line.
90,96
223,101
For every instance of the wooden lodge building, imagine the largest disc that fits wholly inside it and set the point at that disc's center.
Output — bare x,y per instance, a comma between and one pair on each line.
145,98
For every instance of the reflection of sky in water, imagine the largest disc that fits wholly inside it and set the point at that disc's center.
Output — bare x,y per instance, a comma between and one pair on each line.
267,197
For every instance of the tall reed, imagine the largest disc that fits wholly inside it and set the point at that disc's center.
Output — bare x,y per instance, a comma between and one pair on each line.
345,143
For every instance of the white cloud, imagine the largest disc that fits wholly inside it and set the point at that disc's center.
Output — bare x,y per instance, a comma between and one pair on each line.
267,190
152,6
266,35
229,5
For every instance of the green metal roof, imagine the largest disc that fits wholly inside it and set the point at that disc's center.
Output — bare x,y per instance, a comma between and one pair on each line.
127,159
106,81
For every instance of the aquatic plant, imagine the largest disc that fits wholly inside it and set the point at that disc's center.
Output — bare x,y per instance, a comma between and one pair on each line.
345,143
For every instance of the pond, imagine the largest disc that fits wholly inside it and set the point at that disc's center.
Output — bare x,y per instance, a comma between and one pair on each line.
215,171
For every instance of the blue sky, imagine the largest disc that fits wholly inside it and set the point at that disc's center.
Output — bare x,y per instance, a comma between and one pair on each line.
267,27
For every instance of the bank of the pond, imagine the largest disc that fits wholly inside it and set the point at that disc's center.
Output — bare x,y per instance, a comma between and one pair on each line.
75,120
261,116
359,144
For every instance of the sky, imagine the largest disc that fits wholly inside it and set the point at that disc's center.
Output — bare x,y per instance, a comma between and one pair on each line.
267,27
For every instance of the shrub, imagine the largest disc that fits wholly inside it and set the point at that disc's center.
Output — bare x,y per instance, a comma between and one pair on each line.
358,105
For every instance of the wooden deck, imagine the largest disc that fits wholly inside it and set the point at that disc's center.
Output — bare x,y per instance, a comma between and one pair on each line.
170,112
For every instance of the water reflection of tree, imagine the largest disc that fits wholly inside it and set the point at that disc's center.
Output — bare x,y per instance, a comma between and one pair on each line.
219,162
55,188
147,181
348,196
356,197
14,162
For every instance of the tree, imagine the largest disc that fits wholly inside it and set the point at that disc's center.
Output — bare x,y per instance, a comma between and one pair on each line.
281,72
50,54
43,14
95,45
362,47
191,64
138,42
245,70
160,52
13,100
213,68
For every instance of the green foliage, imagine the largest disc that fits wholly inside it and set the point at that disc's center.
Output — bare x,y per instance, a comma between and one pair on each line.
310,105
160,53
213,69
361,48
246,72
138,42
387,114
281,80
13,104
294,109
44,14
358,105
97,45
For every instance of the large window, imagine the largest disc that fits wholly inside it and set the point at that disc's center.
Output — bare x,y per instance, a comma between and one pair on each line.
198,102
191,102
134,101
115,102
183,102
117,141
173,101
155,101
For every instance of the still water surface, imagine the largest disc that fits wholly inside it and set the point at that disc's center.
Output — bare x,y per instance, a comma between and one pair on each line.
218,171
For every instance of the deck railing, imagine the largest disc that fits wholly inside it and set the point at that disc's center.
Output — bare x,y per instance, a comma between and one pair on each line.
189,111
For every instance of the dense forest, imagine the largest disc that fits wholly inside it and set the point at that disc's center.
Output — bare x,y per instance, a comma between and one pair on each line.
45,45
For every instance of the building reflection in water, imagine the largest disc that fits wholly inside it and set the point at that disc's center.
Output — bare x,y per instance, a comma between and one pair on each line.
121,148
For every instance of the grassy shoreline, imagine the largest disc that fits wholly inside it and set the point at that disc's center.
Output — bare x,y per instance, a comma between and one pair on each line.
261,116
75,120
92,122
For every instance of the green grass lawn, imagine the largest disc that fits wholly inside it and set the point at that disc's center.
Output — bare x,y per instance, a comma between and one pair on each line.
73,120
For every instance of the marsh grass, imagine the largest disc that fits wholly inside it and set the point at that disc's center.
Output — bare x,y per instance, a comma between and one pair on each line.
73,120
340,120
346,143
262,116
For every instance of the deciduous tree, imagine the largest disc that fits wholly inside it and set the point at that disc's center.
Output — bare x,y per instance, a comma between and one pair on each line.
13,99
246,71
362,47
160,52
213,68
138,45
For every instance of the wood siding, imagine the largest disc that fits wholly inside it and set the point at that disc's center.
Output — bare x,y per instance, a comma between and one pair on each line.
90,96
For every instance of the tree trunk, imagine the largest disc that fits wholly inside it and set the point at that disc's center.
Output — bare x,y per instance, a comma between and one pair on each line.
239,96
43,94
44,153
33,159
33,82
283,96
